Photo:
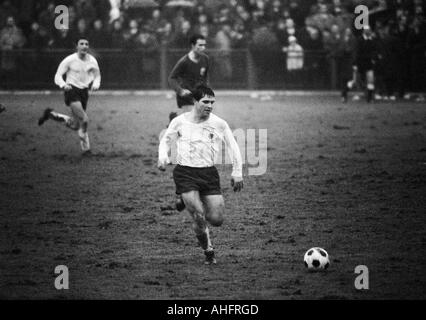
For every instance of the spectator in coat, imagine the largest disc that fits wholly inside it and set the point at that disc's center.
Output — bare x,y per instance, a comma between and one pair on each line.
99,37
131,35
223,45
158,25
63,39
11,38
181,36
39,37
148,42
117,35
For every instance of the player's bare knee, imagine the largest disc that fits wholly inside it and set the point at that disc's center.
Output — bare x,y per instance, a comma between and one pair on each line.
216,221
215,218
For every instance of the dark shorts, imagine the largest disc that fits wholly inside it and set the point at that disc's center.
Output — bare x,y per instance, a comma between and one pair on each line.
204,180
75,95
184,101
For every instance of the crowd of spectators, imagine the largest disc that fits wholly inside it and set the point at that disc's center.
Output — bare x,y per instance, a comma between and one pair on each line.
227,24
290,26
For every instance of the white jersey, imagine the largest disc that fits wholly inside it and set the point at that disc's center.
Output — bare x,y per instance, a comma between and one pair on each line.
198,144
79,73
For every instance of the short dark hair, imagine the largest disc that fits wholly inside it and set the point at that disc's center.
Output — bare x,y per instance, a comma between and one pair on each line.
202,91
77,40
193,40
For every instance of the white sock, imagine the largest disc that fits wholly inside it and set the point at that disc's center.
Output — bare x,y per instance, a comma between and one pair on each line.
69,121
209,242
87,142
84,140
60,117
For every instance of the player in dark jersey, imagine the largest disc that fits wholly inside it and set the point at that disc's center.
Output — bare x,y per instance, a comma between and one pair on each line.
189,72
365,59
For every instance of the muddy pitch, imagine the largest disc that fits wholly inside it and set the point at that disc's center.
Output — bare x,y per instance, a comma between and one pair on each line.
348,178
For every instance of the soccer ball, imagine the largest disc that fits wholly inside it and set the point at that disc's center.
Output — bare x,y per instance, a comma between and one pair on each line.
316,259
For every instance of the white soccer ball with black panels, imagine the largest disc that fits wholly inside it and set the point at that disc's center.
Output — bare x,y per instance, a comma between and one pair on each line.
316,259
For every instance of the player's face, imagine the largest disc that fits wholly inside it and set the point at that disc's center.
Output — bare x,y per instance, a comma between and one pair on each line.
200,46
205,106
83,46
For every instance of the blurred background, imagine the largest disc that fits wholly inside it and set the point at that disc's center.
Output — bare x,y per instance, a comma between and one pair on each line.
253,44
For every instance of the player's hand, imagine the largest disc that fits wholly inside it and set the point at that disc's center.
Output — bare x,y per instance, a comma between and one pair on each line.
162,164
237,184
67,87
185,92
95,87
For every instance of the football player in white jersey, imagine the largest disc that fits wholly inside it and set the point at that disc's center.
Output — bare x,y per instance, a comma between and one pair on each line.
199,135
82,73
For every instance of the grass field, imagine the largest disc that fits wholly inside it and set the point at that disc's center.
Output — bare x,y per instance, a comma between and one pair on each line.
350,178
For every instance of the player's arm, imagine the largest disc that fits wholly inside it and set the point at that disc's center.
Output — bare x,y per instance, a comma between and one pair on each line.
237,161
174,79
59,76
97,73
165,145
